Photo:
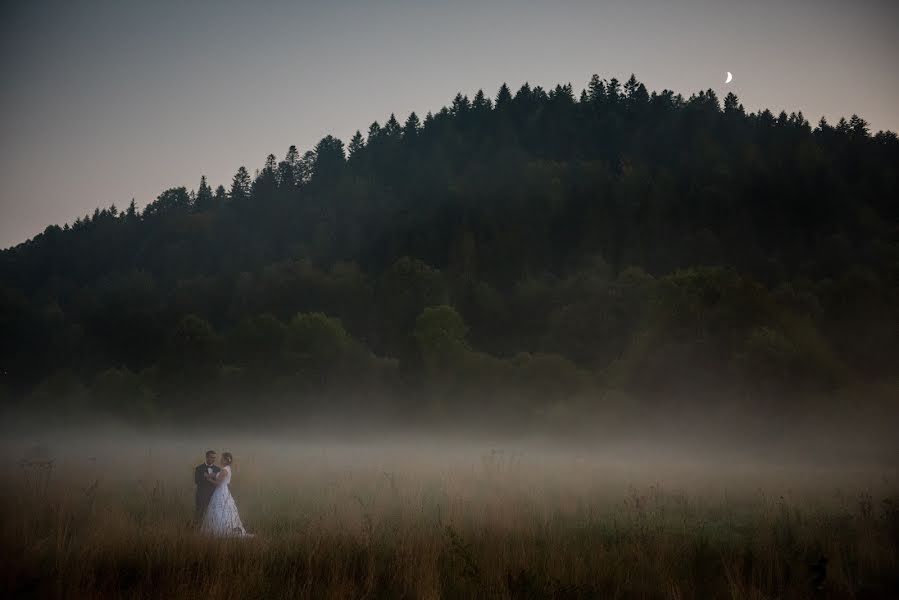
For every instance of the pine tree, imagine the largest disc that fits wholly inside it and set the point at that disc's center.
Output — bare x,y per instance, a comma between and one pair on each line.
357,143
481,102
799,121
842,126
524,95
411,128
461,105
172,200
307,163
503,96
288,169
823,127
613,91
635,92
596,90
203,199
270,170
265,184
374,132
732,104
858,127
630,86
392,128
240,186
565,93
329,158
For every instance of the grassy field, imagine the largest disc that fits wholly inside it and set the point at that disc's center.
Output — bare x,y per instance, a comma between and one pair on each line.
443,520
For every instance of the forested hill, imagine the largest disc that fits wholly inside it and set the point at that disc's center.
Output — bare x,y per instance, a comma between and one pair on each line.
540,241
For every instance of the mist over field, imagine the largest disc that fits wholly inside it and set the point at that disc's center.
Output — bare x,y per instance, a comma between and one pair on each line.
285,459
852,427
401,514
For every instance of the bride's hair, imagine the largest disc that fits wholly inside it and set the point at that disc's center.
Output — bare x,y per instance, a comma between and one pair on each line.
228,457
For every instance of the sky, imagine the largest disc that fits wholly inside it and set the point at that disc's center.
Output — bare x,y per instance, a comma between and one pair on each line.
102,102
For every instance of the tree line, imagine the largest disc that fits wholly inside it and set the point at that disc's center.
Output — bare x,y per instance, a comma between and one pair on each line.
536,248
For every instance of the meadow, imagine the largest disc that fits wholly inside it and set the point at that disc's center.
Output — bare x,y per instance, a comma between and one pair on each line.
439,518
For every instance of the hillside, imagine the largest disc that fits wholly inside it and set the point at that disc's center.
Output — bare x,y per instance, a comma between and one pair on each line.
541,246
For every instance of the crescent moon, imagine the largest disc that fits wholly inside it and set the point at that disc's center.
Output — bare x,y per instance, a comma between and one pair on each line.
729,77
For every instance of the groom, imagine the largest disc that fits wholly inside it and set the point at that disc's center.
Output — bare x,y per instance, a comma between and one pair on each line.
204,487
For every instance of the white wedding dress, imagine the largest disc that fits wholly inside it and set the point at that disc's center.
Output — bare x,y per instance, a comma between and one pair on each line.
222,518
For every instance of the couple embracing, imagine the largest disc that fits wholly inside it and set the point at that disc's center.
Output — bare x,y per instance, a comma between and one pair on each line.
216,512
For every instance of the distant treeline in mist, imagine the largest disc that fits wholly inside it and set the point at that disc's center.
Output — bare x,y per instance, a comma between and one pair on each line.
539,247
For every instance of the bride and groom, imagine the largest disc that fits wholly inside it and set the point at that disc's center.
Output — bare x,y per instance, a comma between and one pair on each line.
216,512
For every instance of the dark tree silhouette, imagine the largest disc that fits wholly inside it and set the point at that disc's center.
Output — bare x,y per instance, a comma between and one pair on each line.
240,186
204,198
357,143
329,158
615,237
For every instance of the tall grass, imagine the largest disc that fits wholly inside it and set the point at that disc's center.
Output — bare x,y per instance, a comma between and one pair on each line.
445,522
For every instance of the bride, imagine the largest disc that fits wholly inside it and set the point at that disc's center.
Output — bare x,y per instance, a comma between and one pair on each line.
222,518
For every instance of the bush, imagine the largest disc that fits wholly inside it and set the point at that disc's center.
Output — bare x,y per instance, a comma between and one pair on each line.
440,333
319,348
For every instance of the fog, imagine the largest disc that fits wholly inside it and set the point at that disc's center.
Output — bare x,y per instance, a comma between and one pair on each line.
852,430
337,504
715,454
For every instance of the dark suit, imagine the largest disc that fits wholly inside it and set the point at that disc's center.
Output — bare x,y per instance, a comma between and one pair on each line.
204,489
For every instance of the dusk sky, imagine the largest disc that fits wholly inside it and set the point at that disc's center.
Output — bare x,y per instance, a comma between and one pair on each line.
105,101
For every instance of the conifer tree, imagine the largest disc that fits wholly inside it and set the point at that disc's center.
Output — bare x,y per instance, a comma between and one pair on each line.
240,186
858,127
613,91
461,105
374,132
203,200
596,90
481,102
307,165
288,169
329,158
411,128
503,96
357,143
732,104
823,130
842,126
392,128
565,93
630,86
266,181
